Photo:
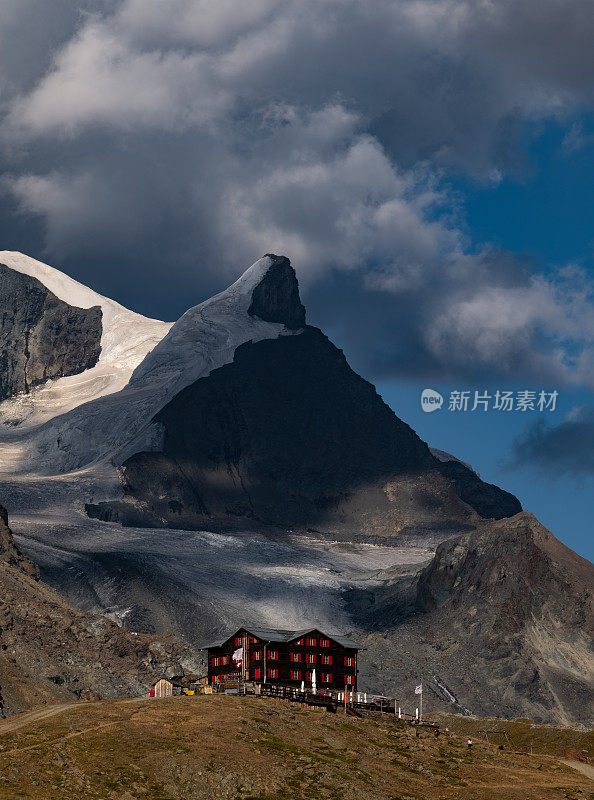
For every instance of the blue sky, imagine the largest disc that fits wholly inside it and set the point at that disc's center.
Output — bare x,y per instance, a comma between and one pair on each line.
545,209
484,440
427,166
543,212
546,212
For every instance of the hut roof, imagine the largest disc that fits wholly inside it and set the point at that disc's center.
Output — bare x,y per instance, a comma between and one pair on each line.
280,635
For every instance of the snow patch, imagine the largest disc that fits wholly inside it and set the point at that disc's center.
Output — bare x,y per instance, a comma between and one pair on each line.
126,339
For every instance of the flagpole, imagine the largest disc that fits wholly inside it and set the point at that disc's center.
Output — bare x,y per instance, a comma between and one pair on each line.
419,691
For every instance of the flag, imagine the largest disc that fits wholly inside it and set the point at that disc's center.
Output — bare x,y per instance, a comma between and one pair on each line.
419,689
238,656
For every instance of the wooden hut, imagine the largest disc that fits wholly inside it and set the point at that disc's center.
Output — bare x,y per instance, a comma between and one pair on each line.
291,658
163,688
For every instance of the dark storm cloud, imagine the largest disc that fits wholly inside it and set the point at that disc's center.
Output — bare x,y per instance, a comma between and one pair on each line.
155,148
564,449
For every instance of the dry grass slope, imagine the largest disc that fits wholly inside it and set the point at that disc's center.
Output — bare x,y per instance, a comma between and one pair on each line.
236,748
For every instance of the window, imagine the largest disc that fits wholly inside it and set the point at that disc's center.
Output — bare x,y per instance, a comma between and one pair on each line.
257,655
237,641
220,661
326,677
300,642
215,662
308,676
253,640
349,661
324,642
295,656
272,673
349,680
311,658
311,642
273,655
326,660
257,674
295,675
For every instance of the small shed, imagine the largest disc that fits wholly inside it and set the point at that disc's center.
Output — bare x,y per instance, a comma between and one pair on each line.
163,688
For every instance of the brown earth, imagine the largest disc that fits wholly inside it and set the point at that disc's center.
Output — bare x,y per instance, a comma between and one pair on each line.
50,651
227,748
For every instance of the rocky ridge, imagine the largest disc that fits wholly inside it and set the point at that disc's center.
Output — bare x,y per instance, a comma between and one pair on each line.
500,622
51,652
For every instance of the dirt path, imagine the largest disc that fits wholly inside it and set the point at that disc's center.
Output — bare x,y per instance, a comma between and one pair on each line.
585,769
13,724
22,720
62,739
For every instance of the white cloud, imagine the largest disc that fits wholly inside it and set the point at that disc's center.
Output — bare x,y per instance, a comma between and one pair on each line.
198,23
466,66
100,78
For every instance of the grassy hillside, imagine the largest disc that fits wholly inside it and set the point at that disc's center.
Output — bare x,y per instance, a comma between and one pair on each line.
522,734
240,748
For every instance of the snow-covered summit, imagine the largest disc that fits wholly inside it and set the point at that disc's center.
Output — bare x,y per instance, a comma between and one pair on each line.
207,335
119,416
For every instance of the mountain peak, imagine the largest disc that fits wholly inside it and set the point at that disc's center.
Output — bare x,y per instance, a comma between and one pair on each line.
276,297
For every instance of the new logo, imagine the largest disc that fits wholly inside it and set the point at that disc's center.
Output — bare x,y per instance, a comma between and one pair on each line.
431,400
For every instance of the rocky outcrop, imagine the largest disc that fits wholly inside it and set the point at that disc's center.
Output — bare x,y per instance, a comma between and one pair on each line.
9,552
51,652
41,336
276,297
488,500
501,623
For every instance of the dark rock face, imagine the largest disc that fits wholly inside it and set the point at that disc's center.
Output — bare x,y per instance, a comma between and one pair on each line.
488,500
288,436
276,297
501,617
41,336
279,437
